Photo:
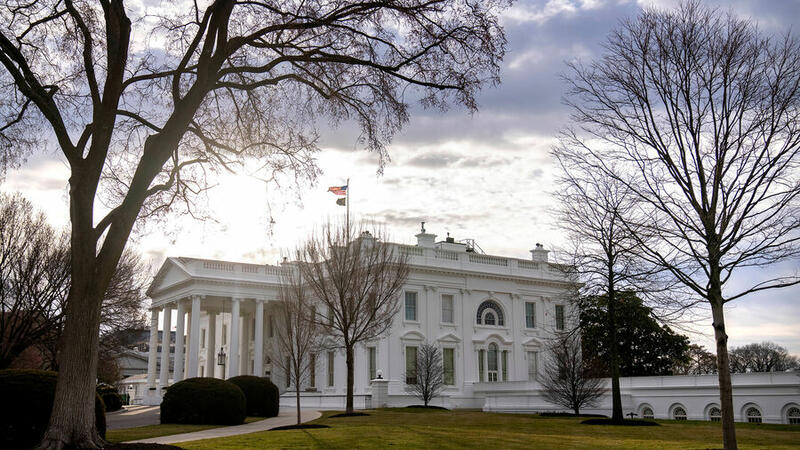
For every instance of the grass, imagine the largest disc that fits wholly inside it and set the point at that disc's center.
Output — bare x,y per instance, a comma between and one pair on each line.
164,429
426,428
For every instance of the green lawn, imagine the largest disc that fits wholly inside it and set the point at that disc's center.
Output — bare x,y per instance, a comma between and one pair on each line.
458,429
150,431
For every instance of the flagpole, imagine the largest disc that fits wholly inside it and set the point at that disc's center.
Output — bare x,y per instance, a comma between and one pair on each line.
347,204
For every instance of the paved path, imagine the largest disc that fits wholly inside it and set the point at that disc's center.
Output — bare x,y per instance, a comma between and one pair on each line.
133,416
284,418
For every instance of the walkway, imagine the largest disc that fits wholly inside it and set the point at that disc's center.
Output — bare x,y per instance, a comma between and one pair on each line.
287,417
133,416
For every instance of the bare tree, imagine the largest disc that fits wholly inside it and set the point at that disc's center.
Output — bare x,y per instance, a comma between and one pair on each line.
428,374
357,283
297,335
762,357
696,112
34,278
566,380
144,102
701,362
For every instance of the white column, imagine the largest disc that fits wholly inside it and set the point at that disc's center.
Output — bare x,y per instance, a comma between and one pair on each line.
258,365
187,341
194,338
152,354
244,355
233,340
211,352
177,374
165,345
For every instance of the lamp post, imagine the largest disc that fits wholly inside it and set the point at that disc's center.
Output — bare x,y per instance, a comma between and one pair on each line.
221,360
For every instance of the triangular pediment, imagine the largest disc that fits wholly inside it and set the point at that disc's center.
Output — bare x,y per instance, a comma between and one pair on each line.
449,337
533,342
171,273
413,335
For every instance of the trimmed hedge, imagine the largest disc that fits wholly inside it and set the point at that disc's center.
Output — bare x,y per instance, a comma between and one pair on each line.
111,398
203,401
27,397
263,397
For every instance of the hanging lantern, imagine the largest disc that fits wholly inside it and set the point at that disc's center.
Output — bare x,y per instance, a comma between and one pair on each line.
221,357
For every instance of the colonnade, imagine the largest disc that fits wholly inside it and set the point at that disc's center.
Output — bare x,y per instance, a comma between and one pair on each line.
188,323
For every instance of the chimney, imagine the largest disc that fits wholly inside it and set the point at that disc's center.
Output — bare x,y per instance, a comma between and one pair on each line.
539,253
425,239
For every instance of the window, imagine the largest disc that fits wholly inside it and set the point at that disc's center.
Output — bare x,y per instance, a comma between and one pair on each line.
224,334
312,371
753,415
493,308
271,326
532,369
505,365
330,316
647,413
411,365
480,365
530,315
447,308
678,413
371,352
793,415
448,366
488,319
411,306
330,369
202,371
253,329
559,317
714,414
202,339
492,362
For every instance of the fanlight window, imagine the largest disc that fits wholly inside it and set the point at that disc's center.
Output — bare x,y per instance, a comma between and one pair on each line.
647,413
793,415
714,414
753,415
493,314
679,413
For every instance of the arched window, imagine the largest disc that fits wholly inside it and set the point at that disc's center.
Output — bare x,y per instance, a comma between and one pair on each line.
793,415
753,415
714,414
490,307
647,413
678,413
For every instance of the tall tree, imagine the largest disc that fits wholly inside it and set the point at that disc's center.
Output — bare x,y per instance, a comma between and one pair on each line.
649,347
144,102
567,379
357,283
428,374
700,362
297,334
697,113
762,357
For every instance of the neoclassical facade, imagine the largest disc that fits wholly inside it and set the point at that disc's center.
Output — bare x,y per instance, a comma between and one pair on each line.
491,316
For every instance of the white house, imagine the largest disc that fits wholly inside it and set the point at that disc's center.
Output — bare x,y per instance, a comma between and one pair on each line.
490,315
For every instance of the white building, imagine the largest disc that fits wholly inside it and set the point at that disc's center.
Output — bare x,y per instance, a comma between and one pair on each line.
490,315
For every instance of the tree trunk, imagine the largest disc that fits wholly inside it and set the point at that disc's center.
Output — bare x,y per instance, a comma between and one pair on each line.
72,421
349,359
577,411
297,395
613,350
723,369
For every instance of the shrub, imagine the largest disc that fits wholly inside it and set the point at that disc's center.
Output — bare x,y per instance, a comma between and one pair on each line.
111,398
203,401
27,402
263,397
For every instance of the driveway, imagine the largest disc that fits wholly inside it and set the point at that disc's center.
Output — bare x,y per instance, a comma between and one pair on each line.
133,416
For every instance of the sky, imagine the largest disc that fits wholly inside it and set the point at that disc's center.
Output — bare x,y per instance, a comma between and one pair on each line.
483,176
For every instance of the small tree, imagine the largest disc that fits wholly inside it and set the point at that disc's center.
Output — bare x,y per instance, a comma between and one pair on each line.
356,282
297,335
429,374
567,381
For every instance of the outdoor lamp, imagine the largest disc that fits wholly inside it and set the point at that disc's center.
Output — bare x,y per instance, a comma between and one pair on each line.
221,357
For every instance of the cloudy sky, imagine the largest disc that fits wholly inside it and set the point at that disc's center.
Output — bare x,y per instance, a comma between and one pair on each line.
484,176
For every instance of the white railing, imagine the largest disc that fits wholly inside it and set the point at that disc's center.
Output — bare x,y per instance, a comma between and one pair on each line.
491,260
411,251
216,265
444,254
250,268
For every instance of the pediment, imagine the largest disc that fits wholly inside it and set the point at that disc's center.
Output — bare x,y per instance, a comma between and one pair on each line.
413,335
533,342
480,339
171,273
449,337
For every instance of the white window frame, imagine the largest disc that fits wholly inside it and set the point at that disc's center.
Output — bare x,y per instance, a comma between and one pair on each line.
563,324
452,298
416,306
452,349
532,355
533,304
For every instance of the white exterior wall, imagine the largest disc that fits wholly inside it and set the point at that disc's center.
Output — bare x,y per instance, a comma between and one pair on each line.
471,279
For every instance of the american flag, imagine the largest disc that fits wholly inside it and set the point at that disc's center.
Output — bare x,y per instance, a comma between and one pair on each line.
338,190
